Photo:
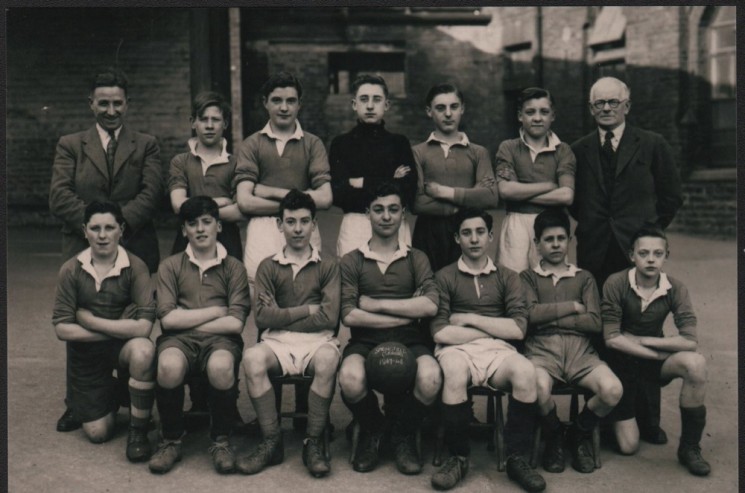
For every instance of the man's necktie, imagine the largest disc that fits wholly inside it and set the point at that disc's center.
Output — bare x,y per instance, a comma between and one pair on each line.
608,145
608,153
110,152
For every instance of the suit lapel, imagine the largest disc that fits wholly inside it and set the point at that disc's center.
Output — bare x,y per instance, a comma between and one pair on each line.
125,147
93,148
627,149
592,151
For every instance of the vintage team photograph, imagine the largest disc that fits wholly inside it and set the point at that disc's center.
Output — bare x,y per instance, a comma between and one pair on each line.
348,248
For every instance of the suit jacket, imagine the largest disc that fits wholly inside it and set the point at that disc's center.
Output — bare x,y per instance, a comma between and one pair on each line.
647,188
80,175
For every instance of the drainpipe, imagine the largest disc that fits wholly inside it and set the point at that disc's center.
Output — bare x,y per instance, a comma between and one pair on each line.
539,47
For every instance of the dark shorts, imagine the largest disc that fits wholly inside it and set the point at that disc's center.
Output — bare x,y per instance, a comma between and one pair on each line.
567,358
92,383
363,349
198,347
633,373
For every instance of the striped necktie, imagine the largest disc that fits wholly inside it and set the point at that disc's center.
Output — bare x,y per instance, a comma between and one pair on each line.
111,152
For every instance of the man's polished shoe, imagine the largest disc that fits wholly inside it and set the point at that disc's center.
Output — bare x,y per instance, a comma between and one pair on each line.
368,449
407,458
519,471
138,446
270,452
314,459
654,435
67,422
451,473
690,456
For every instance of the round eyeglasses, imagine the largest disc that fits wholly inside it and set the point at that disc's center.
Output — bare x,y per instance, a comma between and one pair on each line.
613,103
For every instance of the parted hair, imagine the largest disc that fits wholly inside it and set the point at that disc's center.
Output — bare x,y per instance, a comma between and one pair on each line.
282,79
469,213
368,79
109,77
196,206
205,99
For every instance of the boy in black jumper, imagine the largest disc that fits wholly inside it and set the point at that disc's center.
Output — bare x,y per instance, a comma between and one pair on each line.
365,157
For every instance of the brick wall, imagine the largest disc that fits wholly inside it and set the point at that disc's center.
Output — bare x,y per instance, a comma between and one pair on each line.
710,209
51,55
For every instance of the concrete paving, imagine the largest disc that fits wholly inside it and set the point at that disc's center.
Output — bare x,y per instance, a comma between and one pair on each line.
42,460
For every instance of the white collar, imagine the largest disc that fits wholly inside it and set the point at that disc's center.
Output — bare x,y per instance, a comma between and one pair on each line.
571,271
298,134
195,150
104,134
663,286
207,264
463,140
282,259
488,268
401,251
86,260
617,133
553,142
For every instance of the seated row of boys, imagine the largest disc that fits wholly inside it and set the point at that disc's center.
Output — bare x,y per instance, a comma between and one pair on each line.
382,290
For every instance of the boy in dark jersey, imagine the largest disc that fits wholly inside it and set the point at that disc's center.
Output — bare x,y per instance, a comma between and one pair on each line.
482,306
564,311
636,302
297,310
203,302
386,288
104,309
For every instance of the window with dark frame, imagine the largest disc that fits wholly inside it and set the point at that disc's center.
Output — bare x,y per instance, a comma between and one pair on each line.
344,67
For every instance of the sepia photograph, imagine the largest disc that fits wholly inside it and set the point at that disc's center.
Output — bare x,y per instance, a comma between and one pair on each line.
397,247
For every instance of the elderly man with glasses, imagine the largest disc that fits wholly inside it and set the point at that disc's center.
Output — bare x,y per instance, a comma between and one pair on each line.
625,177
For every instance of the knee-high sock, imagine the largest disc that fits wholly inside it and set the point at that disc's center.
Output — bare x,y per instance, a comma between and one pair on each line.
693,421
550,424
221,403
318,414
518,432
171,410
455,420
587,420
141,397
366,412
410,417
266,412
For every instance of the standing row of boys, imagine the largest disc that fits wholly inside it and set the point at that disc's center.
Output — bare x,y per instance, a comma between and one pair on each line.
107,179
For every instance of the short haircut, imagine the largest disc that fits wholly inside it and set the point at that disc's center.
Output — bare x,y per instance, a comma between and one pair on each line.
205,99
282,79
470,213
368,79
384,189
197,206
103,207
534,93
550,218
109,77
625,91
648,230
294,200
443,89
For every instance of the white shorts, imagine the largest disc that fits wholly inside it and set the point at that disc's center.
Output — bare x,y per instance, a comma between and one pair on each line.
517,249
295,350
484,357
263,238
355,231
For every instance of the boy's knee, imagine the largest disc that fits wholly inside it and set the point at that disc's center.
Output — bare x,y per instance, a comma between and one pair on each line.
627,447
696,367
523,376
220,370
171,371
254,364
429,379
98,431
610,391
325,361
352,380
